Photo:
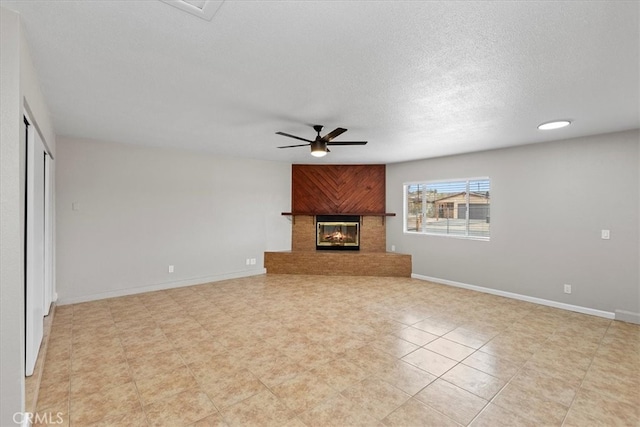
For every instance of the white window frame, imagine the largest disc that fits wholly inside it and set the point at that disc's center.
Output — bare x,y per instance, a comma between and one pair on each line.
424,210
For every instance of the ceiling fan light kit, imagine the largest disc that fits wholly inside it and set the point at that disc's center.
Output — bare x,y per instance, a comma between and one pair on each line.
319,149
319,146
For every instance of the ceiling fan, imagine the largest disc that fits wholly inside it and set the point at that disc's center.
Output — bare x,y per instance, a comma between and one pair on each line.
319,145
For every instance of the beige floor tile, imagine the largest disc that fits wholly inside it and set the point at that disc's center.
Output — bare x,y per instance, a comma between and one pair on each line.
415,336
624,389
92,362
138,336
474,381
294,422
233,388
437,326
409,317
201,351
183,408
93,335
165,384
492,365
256,354
51,417
54,395
470,337
96,347
129,327
303,392
430,361
377,397
339,373
415,413
313,337
450,349
315,355
150,365
135,418
406,377
211,370
369,358
546,386
593,408
394,346
58,349
213,420
262,409
343,342
104,376
531,406
338,411
508,350
454,402
189,338
86,409
496,416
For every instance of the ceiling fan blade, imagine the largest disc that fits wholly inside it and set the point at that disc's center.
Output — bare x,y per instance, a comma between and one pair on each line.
291,146
334,133
292,136
347,143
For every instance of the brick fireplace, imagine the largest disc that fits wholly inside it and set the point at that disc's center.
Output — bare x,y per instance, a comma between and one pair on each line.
372,233
344,191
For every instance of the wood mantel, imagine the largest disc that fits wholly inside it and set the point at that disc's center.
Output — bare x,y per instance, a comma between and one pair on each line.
334,213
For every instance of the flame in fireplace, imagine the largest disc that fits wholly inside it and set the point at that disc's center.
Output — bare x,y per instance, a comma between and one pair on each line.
336,236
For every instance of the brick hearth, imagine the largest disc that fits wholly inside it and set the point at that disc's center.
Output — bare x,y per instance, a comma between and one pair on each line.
338,263
371,260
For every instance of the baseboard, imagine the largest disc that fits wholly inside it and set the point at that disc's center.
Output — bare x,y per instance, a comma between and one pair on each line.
549,303
628,316
161,286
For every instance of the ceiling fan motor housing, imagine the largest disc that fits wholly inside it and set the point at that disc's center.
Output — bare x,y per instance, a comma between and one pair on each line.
318,147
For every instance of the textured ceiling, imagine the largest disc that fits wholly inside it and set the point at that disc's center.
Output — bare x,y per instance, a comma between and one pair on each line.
415,79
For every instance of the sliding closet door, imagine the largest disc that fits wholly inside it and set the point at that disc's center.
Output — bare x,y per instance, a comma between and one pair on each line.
35,247
48,234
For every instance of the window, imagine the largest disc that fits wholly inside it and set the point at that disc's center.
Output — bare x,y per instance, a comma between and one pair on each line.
454,208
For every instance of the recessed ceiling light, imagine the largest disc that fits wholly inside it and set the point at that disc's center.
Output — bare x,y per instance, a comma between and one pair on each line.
556,124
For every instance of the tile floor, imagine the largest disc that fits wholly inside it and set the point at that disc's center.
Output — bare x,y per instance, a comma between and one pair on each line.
285,350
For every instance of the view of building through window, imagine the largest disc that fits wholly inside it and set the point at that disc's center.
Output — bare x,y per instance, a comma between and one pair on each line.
458,208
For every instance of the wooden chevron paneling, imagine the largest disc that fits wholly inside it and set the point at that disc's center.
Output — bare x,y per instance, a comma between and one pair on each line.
338,189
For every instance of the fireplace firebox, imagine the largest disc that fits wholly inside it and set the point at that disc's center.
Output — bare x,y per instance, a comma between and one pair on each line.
338,232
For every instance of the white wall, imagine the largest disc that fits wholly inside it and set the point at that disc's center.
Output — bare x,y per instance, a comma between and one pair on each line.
548,204
142,209
19,90
11,223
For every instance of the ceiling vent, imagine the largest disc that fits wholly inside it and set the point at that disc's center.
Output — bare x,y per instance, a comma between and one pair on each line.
204,9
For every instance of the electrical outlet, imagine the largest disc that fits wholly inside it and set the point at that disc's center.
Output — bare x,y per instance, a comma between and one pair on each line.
171,269
567,289
248,261
605,234
253,261
393,248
